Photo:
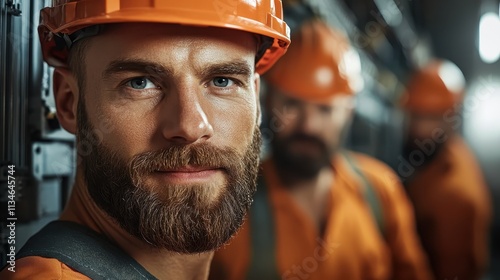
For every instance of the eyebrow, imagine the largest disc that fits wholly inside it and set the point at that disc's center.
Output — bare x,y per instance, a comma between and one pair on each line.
236,67
134,65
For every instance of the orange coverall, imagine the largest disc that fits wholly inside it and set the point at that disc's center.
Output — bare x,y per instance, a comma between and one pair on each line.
352,246
453,212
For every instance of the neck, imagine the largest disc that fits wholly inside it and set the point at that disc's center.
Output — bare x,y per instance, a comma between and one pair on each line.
314,187
162,264
312,195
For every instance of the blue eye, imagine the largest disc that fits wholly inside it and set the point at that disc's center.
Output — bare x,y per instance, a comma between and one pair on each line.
222,82
141,83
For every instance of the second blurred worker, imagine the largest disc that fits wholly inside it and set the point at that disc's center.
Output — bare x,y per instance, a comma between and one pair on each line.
320,212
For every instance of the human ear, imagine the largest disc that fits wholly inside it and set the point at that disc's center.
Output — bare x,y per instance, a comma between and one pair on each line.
257,98
66,98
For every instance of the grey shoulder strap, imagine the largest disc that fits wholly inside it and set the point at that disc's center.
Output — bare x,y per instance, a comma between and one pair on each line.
263,246
370,194
85,251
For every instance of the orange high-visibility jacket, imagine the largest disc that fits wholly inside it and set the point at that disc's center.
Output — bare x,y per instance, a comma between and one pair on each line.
352,246
35,267
41,268
453,212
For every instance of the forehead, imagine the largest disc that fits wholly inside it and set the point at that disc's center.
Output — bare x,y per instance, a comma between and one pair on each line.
164,42
333,101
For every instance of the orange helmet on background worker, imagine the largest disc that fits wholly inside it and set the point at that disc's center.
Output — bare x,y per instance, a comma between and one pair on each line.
434,89
65,22
324,65
320,70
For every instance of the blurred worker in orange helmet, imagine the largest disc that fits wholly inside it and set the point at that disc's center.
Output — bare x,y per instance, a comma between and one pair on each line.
163,99
321,212
443,179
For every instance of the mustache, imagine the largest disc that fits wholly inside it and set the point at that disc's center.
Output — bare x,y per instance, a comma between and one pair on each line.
174,157
307,138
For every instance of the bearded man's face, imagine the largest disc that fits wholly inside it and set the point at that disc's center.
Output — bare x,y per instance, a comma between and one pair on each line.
177,163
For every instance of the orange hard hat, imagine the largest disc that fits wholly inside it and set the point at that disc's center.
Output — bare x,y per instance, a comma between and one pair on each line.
318,65
60,22
434,89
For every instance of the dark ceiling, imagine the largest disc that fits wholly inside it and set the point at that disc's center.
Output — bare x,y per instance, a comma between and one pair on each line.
451,26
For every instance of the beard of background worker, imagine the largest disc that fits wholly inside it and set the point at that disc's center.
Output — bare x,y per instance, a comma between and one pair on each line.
426,128
308,134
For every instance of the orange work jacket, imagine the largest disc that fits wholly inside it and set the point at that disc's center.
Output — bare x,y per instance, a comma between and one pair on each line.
352,246
41,268
35,267
453,212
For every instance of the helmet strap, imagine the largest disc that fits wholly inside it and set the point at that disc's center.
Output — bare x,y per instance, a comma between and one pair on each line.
68,40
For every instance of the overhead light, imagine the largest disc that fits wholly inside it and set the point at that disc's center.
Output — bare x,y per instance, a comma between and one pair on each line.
481,116
489,37
452,77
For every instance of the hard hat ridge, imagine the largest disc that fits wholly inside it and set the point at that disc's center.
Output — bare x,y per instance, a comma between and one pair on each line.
65,18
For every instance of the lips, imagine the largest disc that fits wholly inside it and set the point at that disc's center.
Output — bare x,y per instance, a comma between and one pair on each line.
189,169
189,174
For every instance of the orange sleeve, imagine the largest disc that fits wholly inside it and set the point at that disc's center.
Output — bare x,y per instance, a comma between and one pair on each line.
409,259
40,268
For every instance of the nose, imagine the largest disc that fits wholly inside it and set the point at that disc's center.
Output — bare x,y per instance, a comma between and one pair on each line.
185,117
310,120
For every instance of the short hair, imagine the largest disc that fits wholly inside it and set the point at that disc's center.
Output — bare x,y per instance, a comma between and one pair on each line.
76,61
